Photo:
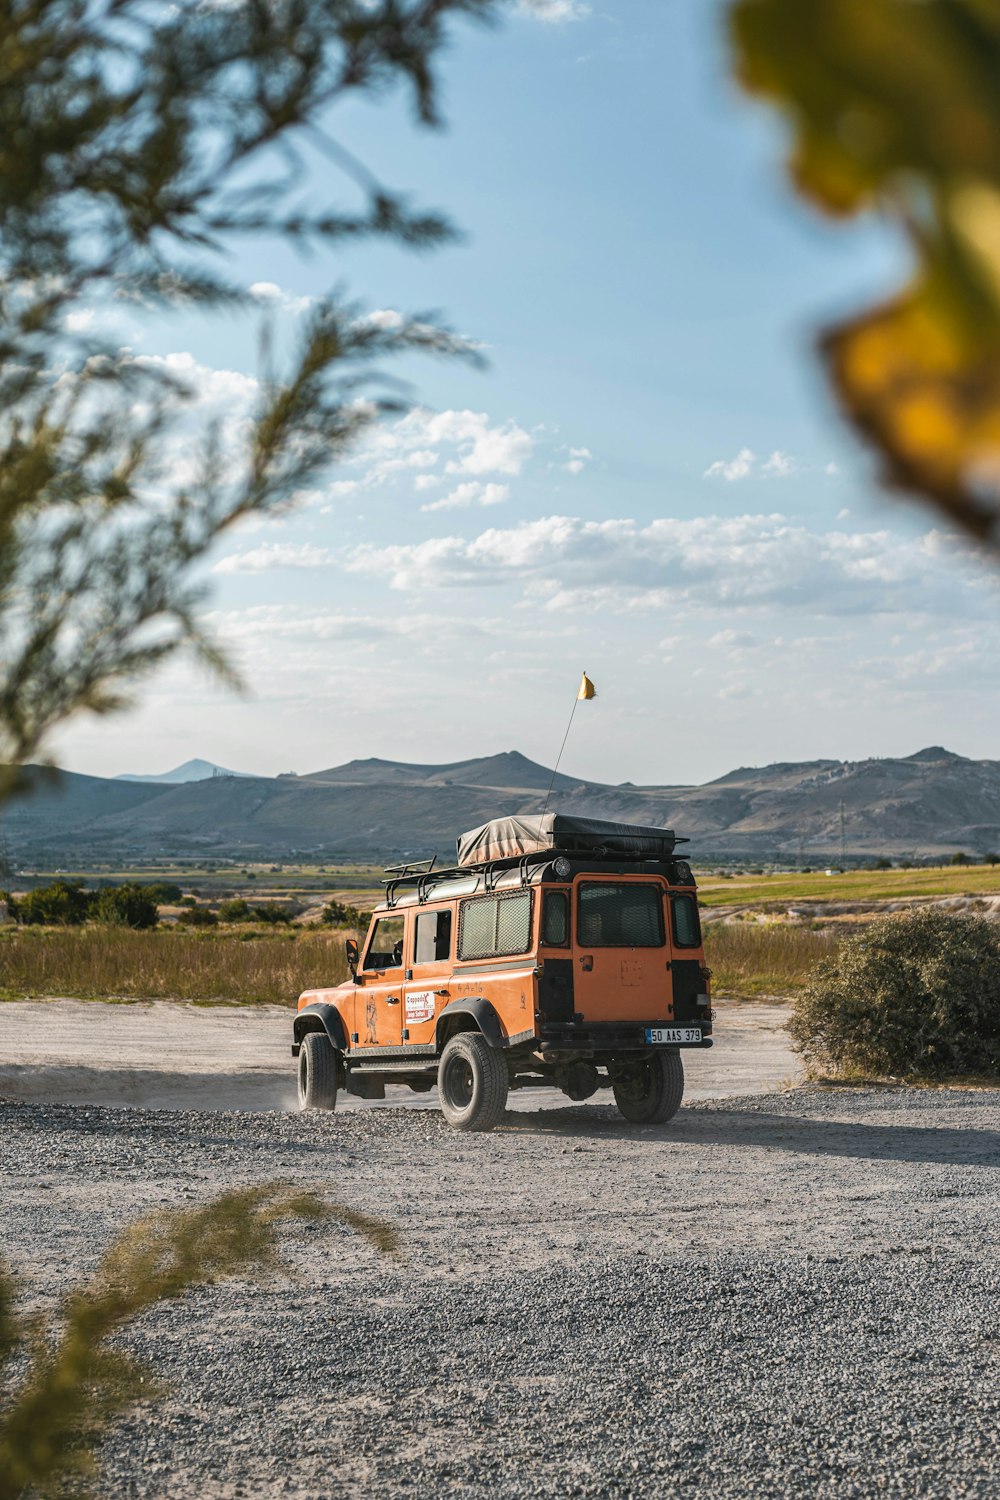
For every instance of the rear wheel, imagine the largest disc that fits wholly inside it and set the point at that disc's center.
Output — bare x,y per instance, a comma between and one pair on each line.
649,1090
472,1082
317,1072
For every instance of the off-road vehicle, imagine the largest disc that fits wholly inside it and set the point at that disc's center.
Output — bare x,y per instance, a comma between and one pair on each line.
559,951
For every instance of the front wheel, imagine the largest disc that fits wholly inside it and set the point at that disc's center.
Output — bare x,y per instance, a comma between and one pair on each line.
317,1072
649,1090
472,1083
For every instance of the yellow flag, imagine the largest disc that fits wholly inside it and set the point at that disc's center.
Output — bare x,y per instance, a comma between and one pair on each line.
587,689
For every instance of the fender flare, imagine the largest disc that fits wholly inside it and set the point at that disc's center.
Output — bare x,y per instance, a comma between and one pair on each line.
320,1016
485,1017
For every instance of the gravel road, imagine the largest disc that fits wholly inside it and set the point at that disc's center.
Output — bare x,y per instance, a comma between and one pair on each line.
785,1295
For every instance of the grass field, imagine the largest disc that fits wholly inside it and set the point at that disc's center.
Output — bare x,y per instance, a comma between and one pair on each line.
115,963
751,958
853,885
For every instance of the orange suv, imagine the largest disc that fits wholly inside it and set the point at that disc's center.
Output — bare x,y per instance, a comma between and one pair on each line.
559,952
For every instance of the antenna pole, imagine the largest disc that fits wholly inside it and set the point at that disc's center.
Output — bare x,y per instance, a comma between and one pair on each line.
562,747
843,842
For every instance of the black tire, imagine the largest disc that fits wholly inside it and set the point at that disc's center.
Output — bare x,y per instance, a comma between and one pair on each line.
472,1082
649,1090
317,1072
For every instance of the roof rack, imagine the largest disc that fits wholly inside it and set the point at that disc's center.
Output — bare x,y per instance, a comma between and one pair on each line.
424,876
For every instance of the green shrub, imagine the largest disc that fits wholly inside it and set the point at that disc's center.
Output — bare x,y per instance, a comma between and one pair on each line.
64,903
164,892
198,916
339,914
913,995
235,910
126,906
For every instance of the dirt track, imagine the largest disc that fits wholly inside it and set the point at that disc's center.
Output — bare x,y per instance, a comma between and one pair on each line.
774,1296
173,1055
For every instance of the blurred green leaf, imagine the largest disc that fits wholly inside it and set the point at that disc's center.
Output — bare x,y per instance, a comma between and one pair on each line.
894,106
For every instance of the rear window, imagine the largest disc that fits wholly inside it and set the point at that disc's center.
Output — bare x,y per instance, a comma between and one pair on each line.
619,916
686,931
491,926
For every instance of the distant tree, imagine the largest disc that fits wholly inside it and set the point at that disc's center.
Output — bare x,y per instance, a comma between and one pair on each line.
881,864
164,892
236,910
126,906
340,914
64,903
137,142
961,859
991,858
198,916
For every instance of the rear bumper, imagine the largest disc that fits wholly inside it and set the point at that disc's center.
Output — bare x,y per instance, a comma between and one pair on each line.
610,1037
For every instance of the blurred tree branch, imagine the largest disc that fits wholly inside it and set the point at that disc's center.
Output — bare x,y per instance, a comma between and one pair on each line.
894,105
137,139
74,1385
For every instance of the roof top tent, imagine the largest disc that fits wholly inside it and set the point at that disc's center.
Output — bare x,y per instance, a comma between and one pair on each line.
515,838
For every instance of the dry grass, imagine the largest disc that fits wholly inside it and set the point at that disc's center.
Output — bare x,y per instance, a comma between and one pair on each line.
757,958
116,963
252,967
853,885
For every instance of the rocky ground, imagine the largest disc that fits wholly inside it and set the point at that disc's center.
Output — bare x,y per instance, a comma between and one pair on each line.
784,1295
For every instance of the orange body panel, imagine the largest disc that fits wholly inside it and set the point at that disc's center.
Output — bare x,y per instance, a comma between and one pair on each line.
400,1005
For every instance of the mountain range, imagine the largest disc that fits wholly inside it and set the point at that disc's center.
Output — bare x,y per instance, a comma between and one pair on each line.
930,803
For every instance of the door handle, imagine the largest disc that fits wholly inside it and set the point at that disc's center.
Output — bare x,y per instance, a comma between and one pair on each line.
392,999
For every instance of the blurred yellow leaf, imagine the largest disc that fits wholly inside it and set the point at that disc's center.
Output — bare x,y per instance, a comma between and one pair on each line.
894,105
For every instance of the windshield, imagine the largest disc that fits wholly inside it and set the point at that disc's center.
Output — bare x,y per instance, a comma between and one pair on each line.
619,916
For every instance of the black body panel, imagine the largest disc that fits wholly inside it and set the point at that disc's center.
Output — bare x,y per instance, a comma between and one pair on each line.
555,990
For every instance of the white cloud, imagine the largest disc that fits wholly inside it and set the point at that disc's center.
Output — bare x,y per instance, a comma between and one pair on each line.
555,12
778,466
578,459
273,295
464,442
384,317
276,555
831,468
81,321
746,465
739,467
748,563
470,493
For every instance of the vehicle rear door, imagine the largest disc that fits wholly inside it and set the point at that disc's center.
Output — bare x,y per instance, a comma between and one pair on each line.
622,957
686,960
425,990
378,1007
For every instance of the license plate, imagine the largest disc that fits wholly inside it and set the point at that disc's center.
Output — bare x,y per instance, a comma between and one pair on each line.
672,1034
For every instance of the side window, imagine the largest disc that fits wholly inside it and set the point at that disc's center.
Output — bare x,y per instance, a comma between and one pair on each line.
433,939
491,926
385,951
555,919
685,915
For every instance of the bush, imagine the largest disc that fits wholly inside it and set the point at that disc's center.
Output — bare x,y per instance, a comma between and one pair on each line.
164,892
339,914
64,903
913,995
198,916
127,906
236,910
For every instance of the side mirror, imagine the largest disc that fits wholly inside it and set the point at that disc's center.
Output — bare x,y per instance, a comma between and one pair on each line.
351,949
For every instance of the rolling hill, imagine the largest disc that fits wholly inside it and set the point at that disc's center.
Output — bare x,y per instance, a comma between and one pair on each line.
929,803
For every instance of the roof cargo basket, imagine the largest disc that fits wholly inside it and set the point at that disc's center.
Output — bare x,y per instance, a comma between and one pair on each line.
514,838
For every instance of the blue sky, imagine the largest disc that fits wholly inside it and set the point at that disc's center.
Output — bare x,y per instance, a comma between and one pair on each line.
649,480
